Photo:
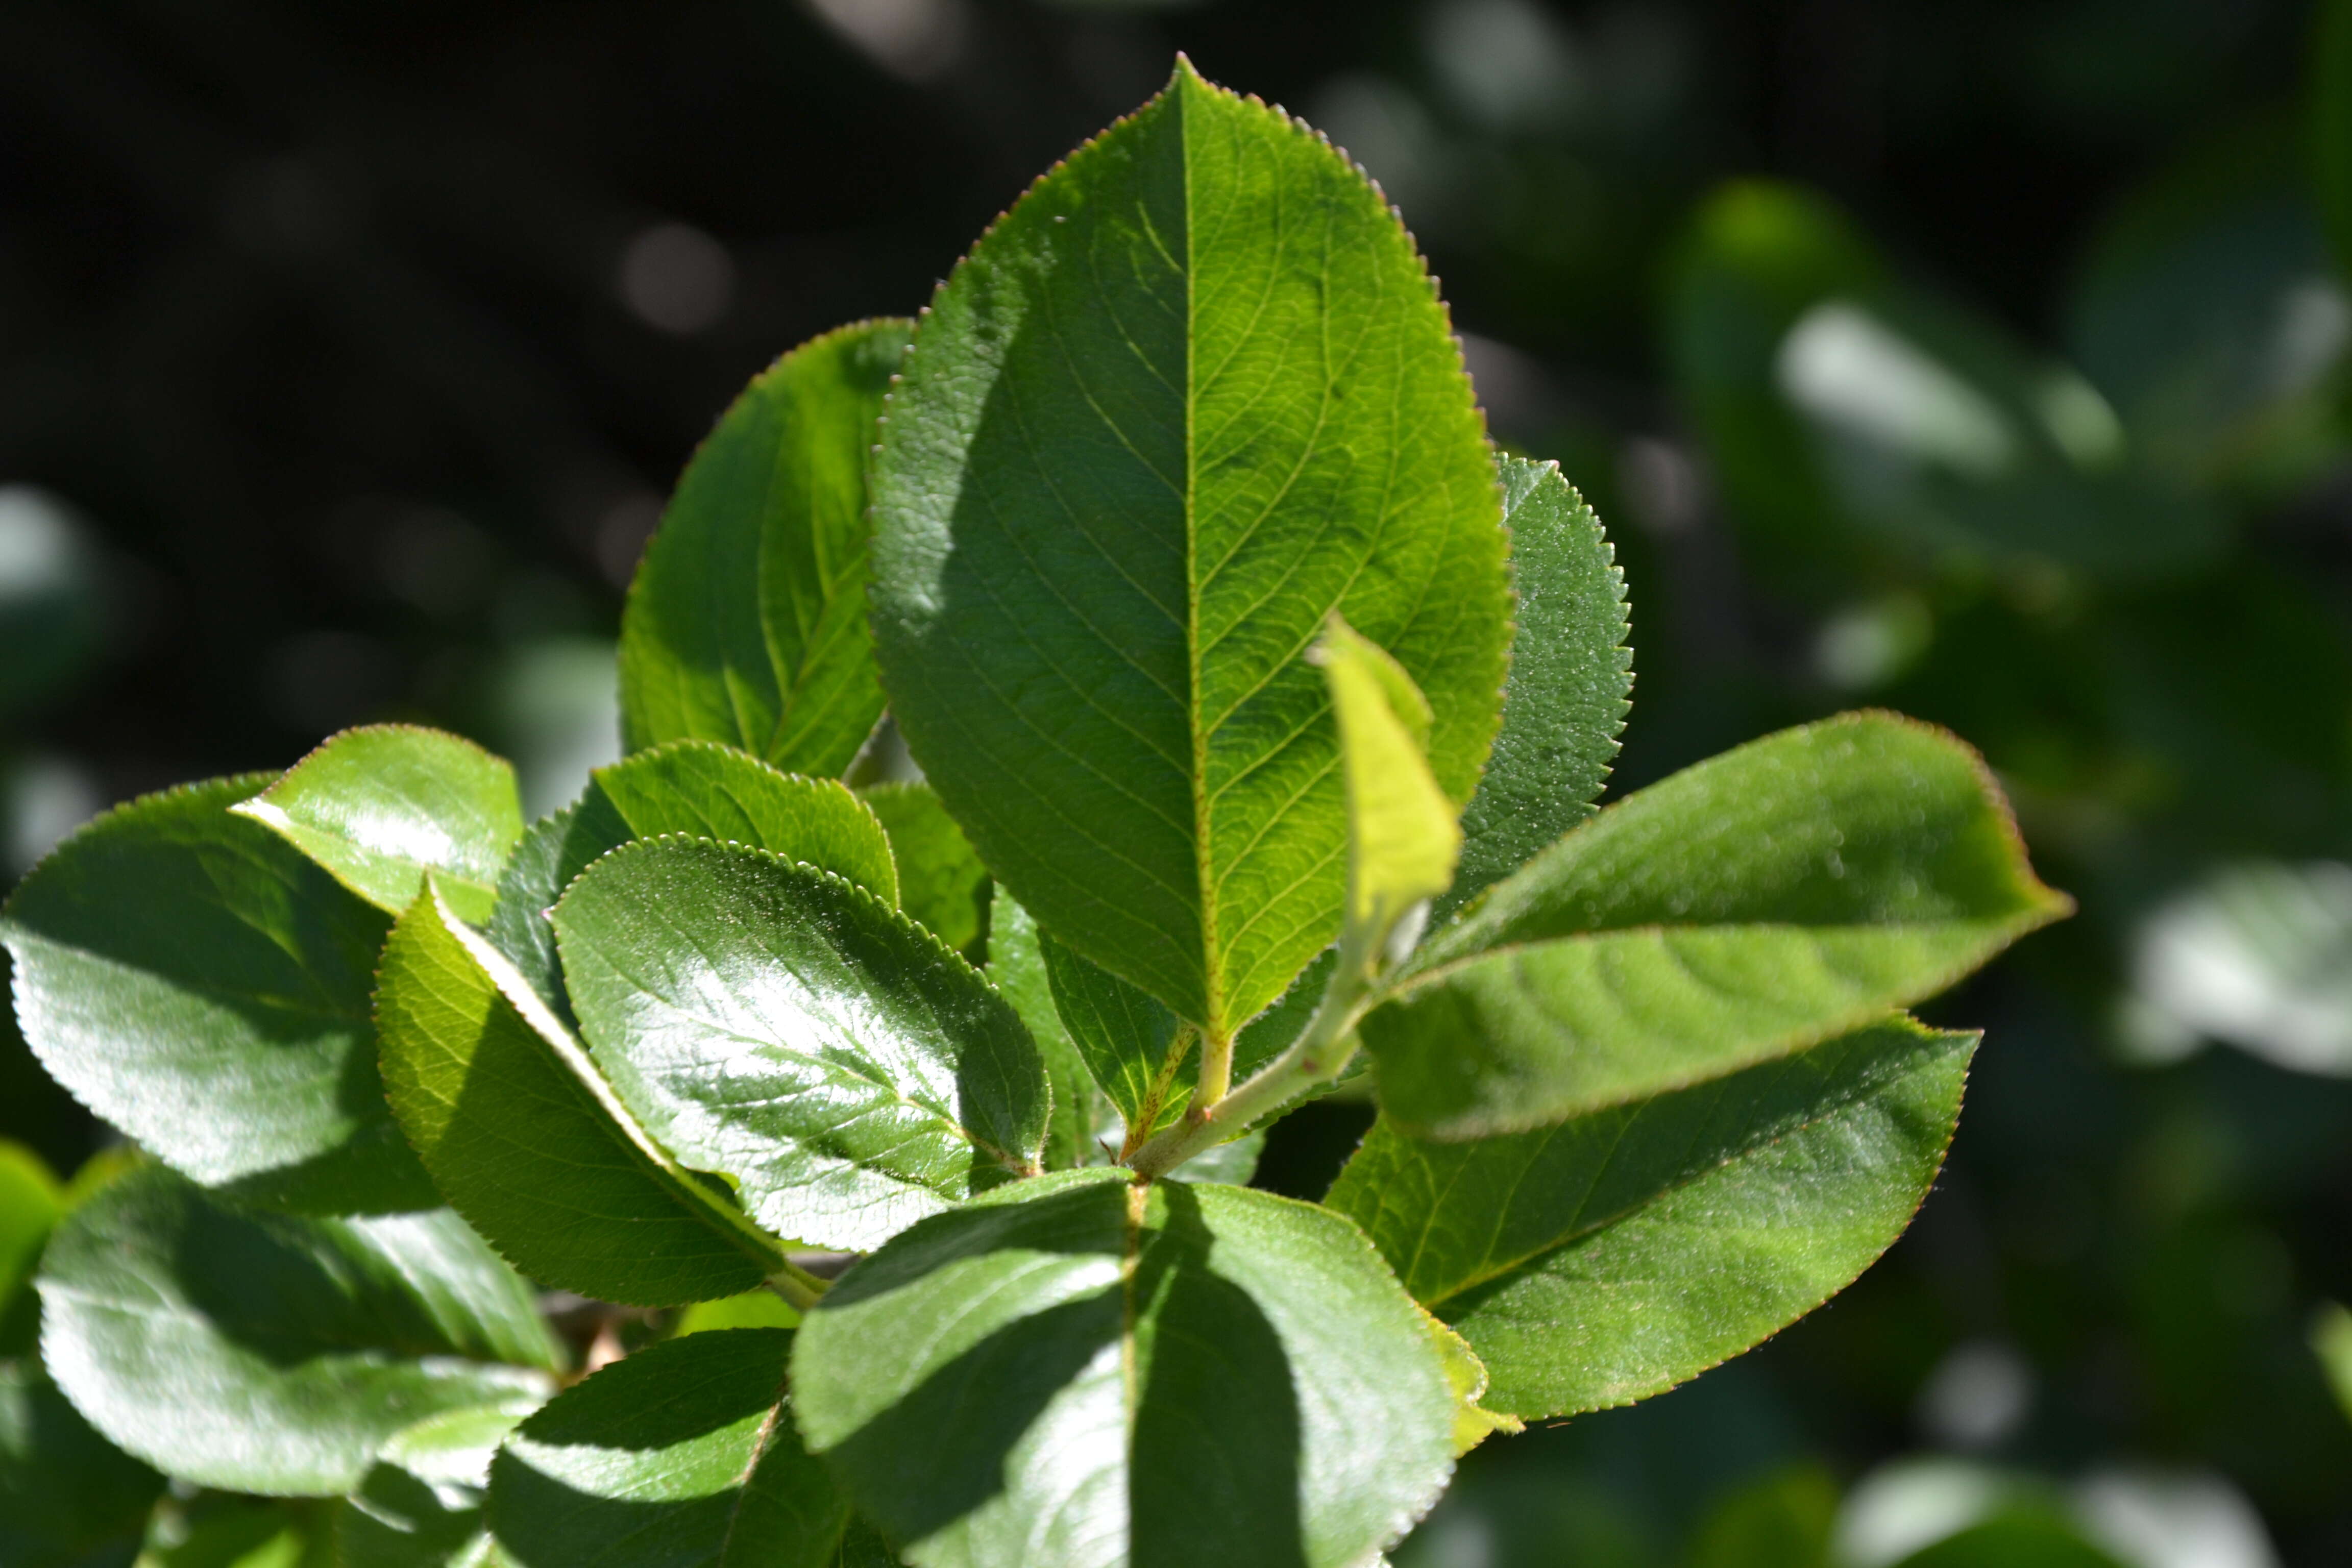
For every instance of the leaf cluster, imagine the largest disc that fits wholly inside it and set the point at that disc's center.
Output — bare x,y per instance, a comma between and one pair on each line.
1262,710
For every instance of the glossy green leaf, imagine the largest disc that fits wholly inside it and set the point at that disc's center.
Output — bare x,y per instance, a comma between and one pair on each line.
380,806
746,621
1402,833
422,1504
716,792
528,1141
1768,898
787,1028
1567,696
688,786
1604,1259
269,1354
197,981
1080,1371
1083,1120
68,1499
1192,393
31,1204
683,1455
942,885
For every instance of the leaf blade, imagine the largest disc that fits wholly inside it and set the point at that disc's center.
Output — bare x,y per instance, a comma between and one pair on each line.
782,1025
172,958
272,1353
746,623
383,805
1608,1257
1127,472
1758,903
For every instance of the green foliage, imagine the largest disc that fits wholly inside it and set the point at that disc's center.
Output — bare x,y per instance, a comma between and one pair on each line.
683,1455
2331,123
1571,676
777,1023
384,806
199,982
275,1354
520,1131
746,621
971,1382
1778,895
1192,393
1659,1226
1201,598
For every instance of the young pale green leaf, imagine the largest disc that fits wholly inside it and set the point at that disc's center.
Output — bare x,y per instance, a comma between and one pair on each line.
711,790
1604,1259
683,1456
31,1204
1571,675
747,620
942,885
760,1309
1768,898
380,806
270,1354
528,1141
785,1027
1192,393
421,1505
1083,1119
199,984
1083,1372
68,1499
1402,833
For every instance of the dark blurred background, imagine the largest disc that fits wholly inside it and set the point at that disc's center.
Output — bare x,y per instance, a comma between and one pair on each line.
1984,361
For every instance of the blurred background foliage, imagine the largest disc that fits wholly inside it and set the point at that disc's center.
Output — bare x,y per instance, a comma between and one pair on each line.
1984,361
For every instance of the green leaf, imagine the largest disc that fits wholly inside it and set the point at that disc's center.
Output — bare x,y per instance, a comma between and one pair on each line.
380,806
199,984
421,1505
216,1530
785,1027
1402,833
716,792
1083,1119
31,1204
1080,1370
1775,896
2331,1342
942,885
1192,394
529,1142
747,620
270,1354
752,1310
1621,1252
68,1497
1566,699
688,786
683,1455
